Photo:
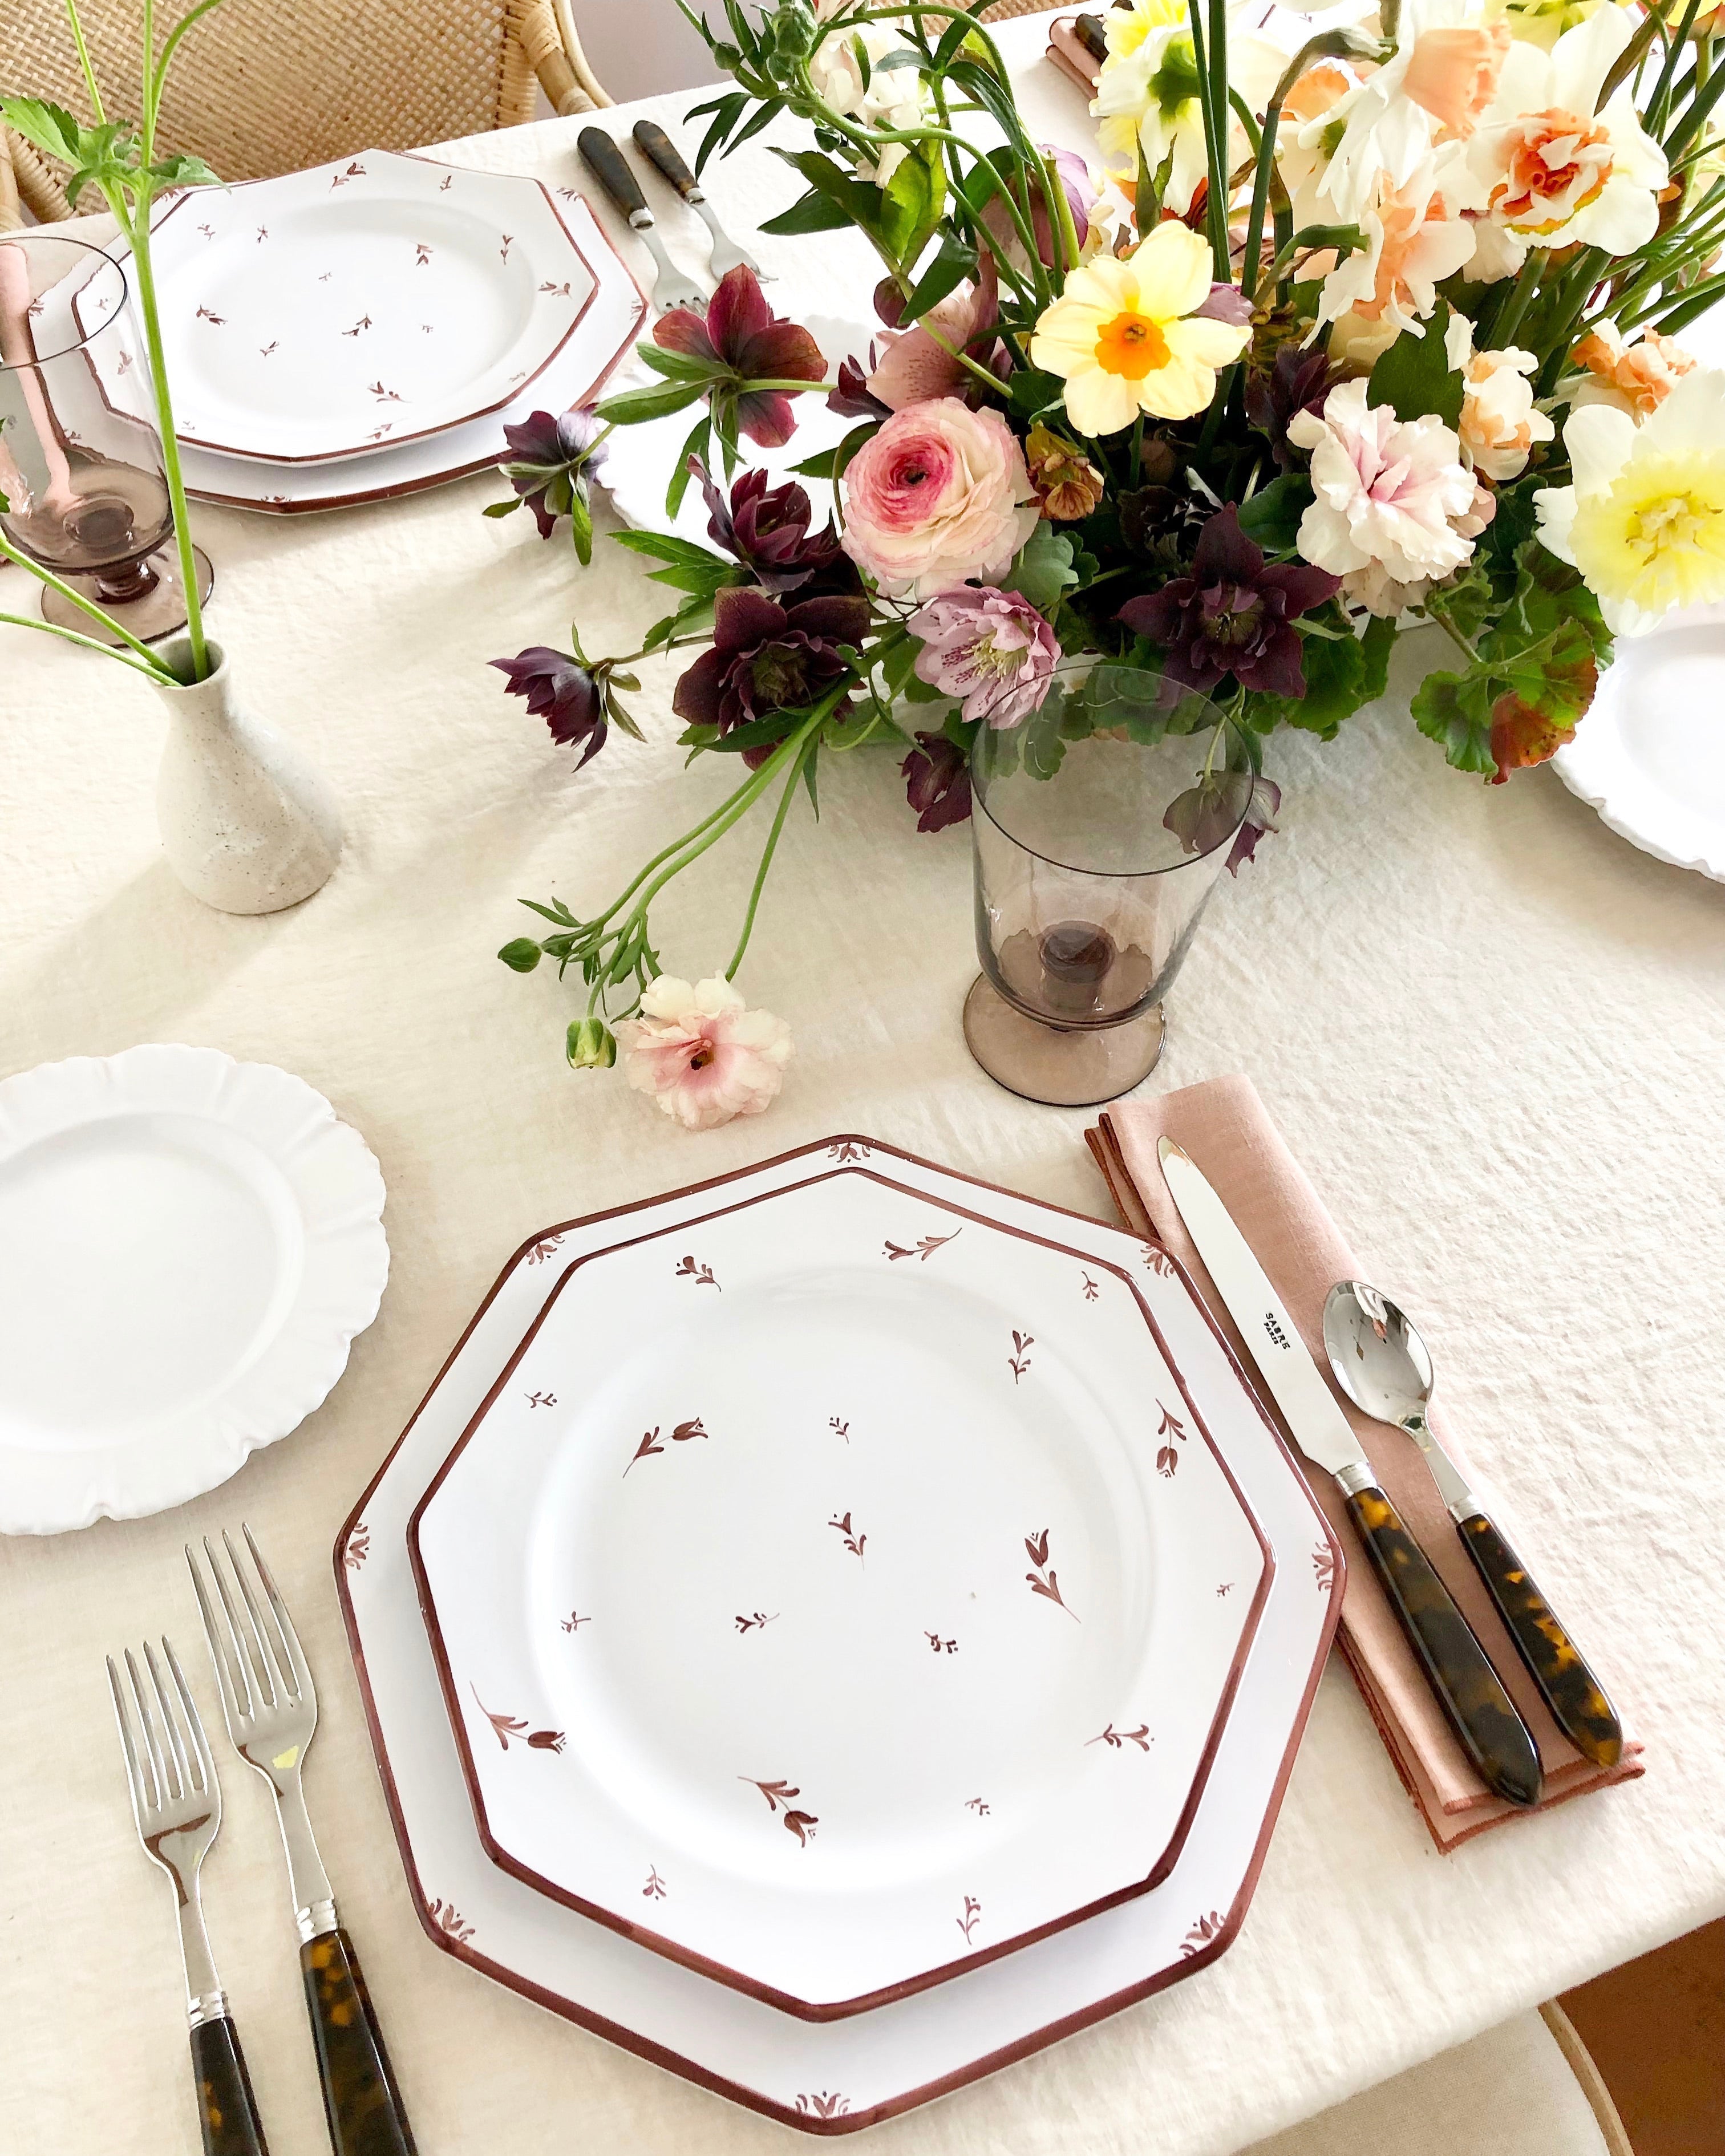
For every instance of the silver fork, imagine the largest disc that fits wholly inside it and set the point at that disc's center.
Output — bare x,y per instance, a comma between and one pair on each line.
177,1802
269,1704
671,288
726,254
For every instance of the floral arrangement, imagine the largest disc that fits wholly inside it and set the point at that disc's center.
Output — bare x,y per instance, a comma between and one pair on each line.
1321,346
119,158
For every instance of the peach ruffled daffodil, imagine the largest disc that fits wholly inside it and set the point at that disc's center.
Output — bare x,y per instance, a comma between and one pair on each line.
1128,336
1644,519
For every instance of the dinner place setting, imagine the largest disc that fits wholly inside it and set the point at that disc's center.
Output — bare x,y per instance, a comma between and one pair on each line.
1113,629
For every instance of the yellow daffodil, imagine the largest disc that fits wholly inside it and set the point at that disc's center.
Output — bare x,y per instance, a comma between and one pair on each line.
1645,520
1126,336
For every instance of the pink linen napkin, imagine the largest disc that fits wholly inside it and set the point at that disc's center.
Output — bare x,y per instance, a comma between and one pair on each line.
1066,52
1225,1126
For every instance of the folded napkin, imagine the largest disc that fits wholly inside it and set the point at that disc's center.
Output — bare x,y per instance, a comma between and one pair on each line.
1225,1128
1067,52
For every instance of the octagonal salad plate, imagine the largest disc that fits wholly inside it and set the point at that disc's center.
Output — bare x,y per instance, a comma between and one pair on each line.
869,1603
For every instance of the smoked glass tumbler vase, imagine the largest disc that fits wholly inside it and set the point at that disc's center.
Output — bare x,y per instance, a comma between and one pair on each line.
1101,823
80,454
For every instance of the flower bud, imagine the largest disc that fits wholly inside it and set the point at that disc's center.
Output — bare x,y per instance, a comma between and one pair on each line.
592,1046
521,956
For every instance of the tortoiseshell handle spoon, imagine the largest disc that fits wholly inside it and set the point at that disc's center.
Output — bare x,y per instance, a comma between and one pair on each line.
1381,1363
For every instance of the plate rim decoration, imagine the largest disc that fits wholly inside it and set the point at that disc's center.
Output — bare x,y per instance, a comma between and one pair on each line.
923,1978
790,2071
339,1185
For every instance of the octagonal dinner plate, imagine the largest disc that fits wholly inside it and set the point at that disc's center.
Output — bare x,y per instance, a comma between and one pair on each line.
837,1592
351,308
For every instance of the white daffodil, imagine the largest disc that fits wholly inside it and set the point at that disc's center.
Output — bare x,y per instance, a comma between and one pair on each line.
1644,518
1557,173
1148,96
1416,235
1434,88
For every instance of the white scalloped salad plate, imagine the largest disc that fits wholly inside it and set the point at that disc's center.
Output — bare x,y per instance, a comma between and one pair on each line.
188,1245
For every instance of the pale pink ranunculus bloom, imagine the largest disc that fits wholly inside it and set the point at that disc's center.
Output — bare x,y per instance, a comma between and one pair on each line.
990,647
702,1054
941,494
1394,508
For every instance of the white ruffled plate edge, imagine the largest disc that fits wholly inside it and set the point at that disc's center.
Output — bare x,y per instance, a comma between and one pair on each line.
339,1185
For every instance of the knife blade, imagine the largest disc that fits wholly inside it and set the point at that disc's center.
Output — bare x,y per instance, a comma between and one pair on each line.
1466,1686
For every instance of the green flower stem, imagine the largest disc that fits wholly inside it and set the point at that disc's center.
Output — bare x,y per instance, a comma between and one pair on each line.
1215,206
1328,45
150,672
87,607
792,781
964,358
1509,318
138,230
83,61
1454,635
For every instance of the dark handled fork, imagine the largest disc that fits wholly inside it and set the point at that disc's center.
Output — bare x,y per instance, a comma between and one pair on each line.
269,1704
726,254
671,288
177,1802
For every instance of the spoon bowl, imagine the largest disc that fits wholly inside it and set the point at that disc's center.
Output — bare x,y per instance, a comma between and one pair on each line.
1379,1357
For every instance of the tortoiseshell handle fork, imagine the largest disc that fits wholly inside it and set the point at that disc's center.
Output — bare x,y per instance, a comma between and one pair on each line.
1568,1687
361,2104
1469,1691
227,2109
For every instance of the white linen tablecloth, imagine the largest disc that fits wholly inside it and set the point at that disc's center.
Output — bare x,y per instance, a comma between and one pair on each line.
1493,1033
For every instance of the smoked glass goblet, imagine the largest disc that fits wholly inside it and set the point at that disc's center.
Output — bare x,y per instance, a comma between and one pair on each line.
1101,823
81,458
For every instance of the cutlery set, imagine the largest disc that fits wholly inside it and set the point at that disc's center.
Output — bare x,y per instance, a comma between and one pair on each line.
604,159
270,1705
1380,1362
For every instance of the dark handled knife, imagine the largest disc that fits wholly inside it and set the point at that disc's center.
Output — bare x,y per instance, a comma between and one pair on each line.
1468,1689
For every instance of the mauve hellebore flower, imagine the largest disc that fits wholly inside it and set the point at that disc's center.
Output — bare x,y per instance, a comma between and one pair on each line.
767,530
576,701
766,658
549,458
1233,614
936,775
743,342
1203,816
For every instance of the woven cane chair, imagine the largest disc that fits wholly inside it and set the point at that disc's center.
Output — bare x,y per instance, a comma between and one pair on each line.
267,86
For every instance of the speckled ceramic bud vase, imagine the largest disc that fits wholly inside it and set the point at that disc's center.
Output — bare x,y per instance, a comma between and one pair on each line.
249,826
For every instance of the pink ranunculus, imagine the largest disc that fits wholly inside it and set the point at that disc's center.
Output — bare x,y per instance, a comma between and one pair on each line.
701,1054
991,647
939,494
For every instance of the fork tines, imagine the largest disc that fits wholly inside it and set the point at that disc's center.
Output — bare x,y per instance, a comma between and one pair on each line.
167,1758
257,1662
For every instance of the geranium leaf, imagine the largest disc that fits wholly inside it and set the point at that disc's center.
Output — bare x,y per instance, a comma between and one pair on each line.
1455,709
1272,516
1043,570
1414,376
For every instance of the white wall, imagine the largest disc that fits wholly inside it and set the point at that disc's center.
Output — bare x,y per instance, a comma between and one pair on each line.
636,47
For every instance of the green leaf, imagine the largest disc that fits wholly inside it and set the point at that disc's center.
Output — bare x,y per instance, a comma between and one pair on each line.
697,444
1029,391
1040,745
183,171
1375,648
1272,516
521,956
954,260
1335,669
830,464
911,202
667,547
581,527
813,213
1414,376
1455,709
1548,592
679,366
49,127
861,200
728,111
1044,571
633,406
502,508
808,764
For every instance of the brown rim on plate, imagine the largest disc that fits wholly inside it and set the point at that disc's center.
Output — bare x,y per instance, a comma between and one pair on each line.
397,441
886,1994
1198,1954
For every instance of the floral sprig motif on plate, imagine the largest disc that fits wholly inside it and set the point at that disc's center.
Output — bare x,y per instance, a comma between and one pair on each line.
757,1621
1044,1580
702,1276
924,1247
449,1922
1019,1359
654,1891
650,1445
1323,1567
1206,1929
358,1547
1173,1432
854,1541
781,1801
544,1248
972,1917
1116,1740
824,2104
510,1728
